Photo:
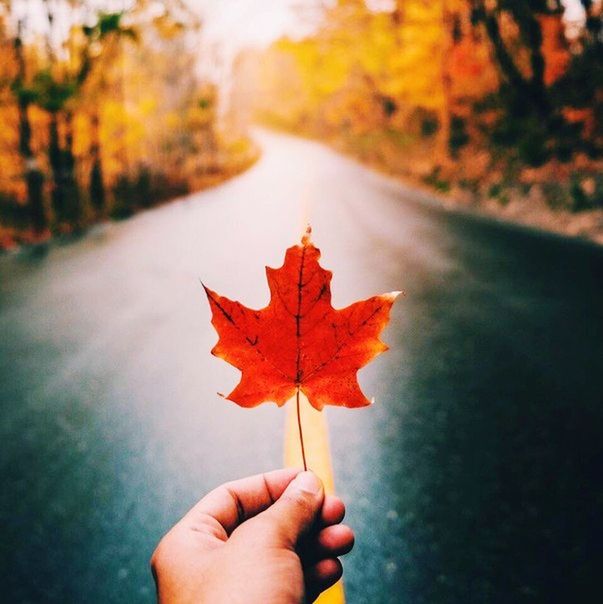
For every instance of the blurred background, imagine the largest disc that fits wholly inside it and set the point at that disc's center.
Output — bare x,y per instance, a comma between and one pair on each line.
108,107
449,148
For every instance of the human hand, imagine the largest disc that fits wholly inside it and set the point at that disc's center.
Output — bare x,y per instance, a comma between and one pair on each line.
270,538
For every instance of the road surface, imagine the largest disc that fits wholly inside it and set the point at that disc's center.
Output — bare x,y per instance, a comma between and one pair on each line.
475,477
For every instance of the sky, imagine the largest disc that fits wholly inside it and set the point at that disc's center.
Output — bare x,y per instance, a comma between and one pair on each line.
241,23
248,22
235,24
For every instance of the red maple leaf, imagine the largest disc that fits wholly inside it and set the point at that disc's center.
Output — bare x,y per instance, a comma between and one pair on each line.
299,341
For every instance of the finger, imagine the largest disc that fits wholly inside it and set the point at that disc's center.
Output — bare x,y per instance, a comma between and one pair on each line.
291,516
331,542
234,502
333,511
321,576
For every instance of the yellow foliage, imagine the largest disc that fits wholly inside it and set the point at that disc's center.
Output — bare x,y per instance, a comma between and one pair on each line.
364,68
126,101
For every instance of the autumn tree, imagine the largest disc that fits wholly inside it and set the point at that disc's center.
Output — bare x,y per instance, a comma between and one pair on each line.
579,89
103,113
102,44
18,77
403,70
533,118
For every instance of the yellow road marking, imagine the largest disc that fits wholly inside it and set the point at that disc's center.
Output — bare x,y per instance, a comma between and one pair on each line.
318,456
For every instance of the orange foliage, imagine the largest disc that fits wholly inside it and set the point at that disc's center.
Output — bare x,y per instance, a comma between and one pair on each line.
363,71
471,71
554,48
299,340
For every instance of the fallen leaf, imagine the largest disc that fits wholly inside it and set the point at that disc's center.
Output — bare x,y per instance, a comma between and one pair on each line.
299,340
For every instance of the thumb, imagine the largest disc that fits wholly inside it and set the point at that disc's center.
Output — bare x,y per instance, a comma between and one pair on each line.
292,514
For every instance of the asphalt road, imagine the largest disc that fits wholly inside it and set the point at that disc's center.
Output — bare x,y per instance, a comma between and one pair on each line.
475,477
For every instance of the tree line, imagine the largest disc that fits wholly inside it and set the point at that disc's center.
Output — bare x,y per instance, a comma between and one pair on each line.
480,92
102,113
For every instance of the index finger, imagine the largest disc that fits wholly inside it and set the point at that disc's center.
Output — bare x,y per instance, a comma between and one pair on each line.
234,502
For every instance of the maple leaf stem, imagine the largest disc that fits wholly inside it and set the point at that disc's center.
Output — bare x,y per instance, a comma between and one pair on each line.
299,425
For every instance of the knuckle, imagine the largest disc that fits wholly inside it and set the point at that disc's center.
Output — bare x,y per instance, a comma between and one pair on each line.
156,559
161,555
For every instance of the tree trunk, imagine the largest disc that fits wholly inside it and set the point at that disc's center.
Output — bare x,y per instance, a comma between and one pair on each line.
65,192
72,192
531,33
531,90
445,113
97,187
54,159
34,179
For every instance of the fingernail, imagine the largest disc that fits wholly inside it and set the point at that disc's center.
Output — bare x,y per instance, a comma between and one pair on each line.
308,482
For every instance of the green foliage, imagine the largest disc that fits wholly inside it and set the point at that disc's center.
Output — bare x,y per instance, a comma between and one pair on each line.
436,181
109,23
399,138
51,94
25,94
495,189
